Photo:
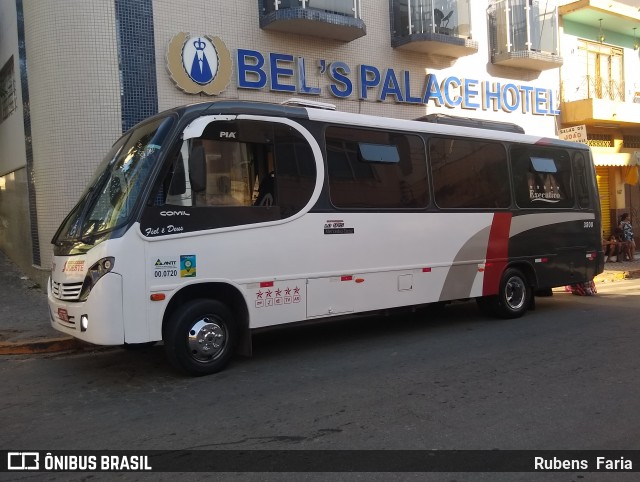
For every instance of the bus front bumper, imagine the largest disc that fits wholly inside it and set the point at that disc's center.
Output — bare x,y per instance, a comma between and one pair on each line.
98,320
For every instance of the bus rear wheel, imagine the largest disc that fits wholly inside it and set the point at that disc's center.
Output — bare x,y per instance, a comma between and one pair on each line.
513,299
200,338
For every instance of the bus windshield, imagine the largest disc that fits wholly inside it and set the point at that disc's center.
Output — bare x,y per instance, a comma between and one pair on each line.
120,178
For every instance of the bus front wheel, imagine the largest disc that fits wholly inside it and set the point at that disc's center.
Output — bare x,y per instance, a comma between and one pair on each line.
201,337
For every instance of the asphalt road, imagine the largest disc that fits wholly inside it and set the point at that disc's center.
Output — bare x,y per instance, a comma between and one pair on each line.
564,376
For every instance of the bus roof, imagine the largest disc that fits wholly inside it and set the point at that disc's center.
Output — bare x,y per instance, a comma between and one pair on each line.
337,117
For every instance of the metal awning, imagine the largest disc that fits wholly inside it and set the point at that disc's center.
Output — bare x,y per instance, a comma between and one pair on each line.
619,159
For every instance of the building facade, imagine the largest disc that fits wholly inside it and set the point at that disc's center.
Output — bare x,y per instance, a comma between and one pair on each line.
600,97
76,74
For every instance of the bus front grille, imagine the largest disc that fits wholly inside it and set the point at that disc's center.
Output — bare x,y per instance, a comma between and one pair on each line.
66,291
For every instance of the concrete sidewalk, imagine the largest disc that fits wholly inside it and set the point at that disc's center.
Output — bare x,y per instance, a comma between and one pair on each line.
615,271
24,315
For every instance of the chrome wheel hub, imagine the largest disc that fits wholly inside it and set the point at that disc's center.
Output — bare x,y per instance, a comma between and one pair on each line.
514,292
207,339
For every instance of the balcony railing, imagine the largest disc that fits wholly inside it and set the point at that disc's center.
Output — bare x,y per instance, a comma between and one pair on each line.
433,26
592,87
524,34
596,101
336,19
348,8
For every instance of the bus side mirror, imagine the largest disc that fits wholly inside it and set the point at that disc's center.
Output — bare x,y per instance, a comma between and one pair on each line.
197,169
178,184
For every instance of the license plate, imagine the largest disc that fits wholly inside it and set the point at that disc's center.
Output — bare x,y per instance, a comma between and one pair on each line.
63,314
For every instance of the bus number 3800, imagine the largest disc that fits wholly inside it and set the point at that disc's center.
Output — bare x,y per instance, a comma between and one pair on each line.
165,273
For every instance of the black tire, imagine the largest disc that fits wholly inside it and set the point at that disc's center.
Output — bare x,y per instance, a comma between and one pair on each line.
200,337
138,346
544,293
487,305
514,297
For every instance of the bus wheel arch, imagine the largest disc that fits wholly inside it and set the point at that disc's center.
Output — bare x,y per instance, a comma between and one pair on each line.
223,293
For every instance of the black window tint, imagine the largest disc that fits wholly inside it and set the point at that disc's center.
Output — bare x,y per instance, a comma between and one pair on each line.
295,170
542,178
376,169
469,173
582,179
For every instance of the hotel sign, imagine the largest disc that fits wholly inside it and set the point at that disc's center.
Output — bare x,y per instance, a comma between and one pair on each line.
193,71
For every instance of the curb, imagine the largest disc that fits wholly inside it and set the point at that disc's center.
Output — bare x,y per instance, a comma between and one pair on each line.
616,276
42,345
55,345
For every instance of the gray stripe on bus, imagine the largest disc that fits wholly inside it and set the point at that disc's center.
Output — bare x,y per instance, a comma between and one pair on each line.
461,277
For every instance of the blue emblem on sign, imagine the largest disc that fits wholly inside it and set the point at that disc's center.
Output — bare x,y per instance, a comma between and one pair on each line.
200,60
200,69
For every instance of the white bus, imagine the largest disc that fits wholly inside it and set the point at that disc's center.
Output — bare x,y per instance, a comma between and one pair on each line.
208,221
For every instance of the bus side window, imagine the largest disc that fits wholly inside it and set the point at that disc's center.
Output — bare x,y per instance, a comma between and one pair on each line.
582,184
177,185
266,190
469,173
238,173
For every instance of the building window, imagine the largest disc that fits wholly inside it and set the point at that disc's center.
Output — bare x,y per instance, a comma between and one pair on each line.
604,77
7,90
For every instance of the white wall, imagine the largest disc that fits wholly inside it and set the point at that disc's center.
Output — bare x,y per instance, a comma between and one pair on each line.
12,147
74,93
237,24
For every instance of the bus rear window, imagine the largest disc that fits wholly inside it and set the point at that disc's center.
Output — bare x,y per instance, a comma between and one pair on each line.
542,178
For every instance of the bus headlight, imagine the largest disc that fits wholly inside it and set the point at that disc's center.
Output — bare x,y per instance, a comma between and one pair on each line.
97,271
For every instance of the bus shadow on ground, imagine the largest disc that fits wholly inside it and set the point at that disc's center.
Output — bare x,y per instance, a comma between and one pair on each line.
321,338
370,329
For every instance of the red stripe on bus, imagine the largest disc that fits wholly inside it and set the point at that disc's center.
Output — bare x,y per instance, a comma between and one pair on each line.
497,253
